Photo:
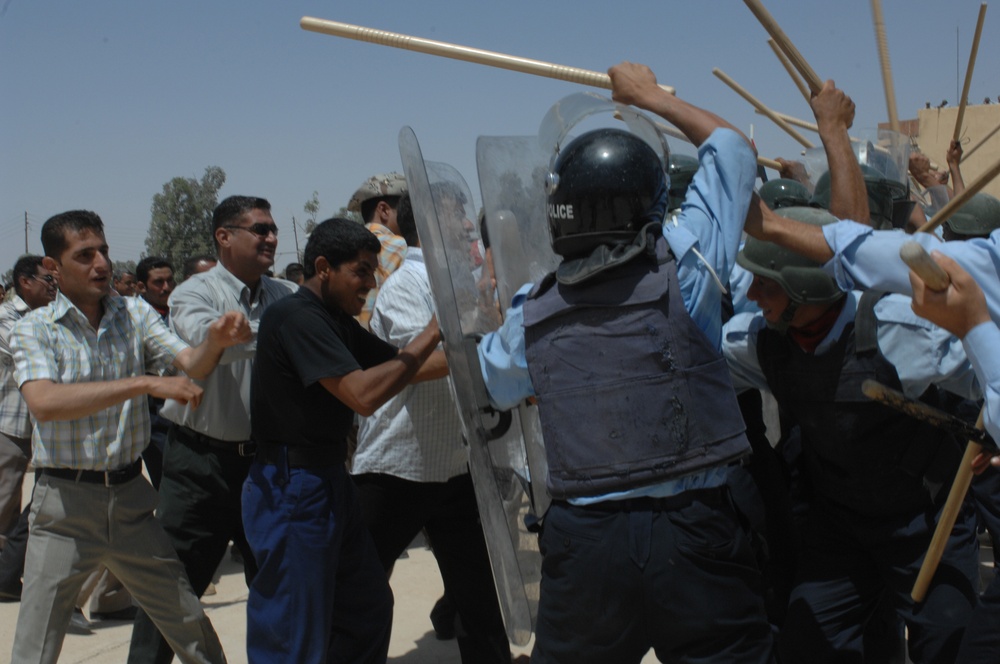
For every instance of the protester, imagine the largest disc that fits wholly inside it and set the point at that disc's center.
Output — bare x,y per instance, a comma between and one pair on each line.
376,200
412,467
91,504
316,366
208,451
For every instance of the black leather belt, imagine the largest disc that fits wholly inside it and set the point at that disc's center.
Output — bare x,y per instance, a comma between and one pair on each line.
245,448
107,478
300,457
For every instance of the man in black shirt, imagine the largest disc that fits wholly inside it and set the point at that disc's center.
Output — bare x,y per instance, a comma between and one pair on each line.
320,593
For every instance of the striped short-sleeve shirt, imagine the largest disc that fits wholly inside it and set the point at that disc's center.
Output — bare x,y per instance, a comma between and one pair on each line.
57,343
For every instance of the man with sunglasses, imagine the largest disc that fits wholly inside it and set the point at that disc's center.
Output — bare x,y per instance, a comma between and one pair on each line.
208,453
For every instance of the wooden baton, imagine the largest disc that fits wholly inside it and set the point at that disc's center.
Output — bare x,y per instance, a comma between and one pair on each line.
673,132
457,52
756,103
883,56
918,260
787,64
968,73
949,514
785,44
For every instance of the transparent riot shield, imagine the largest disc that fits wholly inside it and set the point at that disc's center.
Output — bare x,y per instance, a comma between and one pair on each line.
443,208
511,178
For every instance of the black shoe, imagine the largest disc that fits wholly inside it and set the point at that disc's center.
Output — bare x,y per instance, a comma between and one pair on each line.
12,594
126,614
78,624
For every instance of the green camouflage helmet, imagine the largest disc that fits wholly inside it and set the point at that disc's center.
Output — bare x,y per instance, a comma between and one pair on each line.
681,171
783,193
979,217
803,280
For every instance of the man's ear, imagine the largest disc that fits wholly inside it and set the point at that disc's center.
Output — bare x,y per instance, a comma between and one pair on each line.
140,287
222,237
321,264
51,265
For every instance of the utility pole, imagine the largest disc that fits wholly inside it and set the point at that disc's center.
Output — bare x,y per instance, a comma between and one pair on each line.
25,231
295,232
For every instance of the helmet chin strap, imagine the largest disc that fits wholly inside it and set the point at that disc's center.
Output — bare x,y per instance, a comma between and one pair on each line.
781,325
574,271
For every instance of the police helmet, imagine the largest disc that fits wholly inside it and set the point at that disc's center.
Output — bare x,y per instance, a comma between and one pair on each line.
782,193
681,171
979,217
605,186
888,200
802,279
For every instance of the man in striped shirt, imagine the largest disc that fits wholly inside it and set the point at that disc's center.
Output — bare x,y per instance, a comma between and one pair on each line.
81,363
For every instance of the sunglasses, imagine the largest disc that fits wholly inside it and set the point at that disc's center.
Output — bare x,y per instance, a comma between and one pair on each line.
48,278
260,230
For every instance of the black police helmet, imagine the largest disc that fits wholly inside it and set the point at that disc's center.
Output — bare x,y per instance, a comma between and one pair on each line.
605,187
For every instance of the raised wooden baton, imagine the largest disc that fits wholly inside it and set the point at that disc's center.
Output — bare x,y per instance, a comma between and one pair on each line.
457,52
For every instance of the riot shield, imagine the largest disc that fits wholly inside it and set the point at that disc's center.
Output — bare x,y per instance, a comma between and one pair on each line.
511,177
442,205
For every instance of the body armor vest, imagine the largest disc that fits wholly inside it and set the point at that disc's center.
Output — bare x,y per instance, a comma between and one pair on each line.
630,391
856,453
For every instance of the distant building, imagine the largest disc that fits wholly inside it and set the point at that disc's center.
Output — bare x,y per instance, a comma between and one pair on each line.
934,127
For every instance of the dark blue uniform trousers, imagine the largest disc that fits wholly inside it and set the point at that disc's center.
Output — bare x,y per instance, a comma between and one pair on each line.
676,575
848,561
320,594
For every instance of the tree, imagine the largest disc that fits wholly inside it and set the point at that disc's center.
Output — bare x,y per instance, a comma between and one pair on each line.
118,267
181,223
311,209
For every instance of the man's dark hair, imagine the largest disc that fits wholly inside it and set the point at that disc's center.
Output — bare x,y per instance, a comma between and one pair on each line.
192,262
150,263
54,230
338,240
233,208
293,271
368,207
406,221
26,267
118,276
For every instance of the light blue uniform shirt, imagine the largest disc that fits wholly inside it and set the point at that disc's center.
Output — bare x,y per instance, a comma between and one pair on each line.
864,258
982,344
710,223
922,353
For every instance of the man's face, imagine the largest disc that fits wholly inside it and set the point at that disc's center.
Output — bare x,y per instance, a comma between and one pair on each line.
126,285
38,290
249,242
769,296
83,271
347,285
158,286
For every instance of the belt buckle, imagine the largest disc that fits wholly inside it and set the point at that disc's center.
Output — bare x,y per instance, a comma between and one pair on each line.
243,449
107,479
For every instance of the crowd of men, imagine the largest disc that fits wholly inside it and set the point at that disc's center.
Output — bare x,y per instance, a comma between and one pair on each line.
308,420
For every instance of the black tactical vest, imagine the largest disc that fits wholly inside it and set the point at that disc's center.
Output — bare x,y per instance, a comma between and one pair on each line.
630,391
856,453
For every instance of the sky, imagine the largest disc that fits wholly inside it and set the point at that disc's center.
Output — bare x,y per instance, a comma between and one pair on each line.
104,101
